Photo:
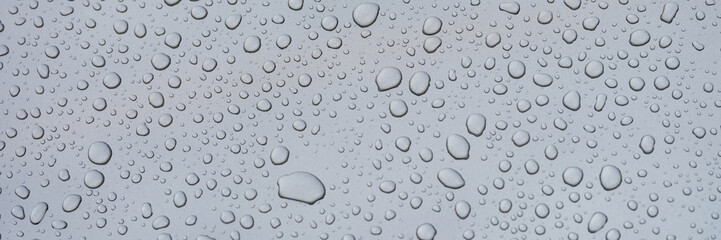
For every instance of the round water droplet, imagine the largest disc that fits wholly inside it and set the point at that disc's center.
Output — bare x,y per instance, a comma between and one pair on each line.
94,179
521,138
173,40
329,23
279,155
99,153
251,44
112,80
476,124
398,108
426,231
572,176
516,69
156,99
463,209
160,61
295,5
594,69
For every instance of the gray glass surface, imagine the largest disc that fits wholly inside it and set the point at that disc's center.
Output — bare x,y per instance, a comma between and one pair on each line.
330,119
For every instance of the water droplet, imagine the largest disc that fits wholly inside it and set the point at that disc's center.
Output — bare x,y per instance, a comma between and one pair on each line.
301,186
610,177
94,179
458,147
365,14
597,221
426,231
450,178
99,153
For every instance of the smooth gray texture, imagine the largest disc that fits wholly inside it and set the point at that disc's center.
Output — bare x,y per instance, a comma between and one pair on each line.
470,119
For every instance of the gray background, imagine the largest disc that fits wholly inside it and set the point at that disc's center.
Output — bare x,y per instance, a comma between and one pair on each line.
349,119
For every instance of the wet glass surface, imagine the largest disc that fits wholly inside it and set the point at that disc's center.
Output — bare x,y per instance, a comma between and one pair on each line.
321,119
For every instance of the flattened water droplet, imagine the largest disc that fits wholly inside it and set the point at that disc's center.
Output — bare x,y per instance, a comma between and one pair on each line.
572,176
247,221
542,79
264,105
283,41
432,25
458,147
669,12
279,155
572,4
419,83
198,12
590,23
476,124
610,177
233,21
647,144
597,221
492,40
71,202
173,40
156,99
398,108
403,143
388,78
38,213
572,100
18,212
450,178
365,14
544,17
160,61
161,222
521,138
431,44
510,7
295,4
463,209
251,44
301,186
387,186
639,38
227,217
